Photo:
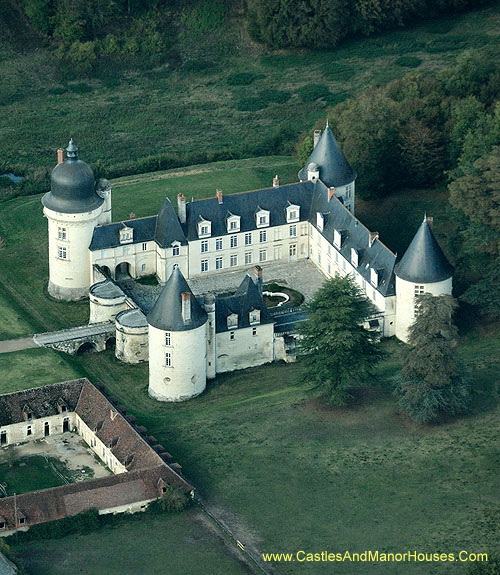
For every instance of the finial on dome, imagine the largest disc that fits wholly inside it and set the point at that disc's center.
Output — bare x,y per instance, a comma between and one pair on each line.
72,150
327,122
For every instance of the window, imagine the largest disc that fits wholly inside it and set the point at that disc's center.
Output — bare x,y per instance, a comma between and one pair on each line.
320,221
255,316
248,239
218,263
319,257
204,230
22,520
232,320
374,277
143,267
234,261
293,250
2,524
204,265
175,251
354,257
62,253
418,290
61,233
167,338
168,359
204,246
231,336
234,241
3,437
28,430
263,255
337,257
263,236
126,251
233,225
144,246
337,239
329,270
218,244
293,231
248,257
254,331
262,220
292,215
277,234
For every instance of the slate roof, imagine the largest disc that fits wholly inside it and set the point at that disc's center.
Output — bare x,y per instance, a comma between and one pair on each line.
355,235
167,311
424,260
334,169
246,298
72,186
40,401
245,205
164,228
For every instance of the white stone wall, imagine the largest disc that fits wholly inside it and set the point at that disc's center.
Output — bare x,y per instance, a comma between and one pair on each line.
105,217
17,432
142,262
131,343
70,278
102,451
277,246
104,309
405,302
246,349
187,375
165,262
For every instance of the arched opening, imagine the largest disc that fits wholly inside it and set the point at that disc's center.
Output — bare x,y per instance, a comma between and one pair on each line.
65,424
111,343
87,347
46,429
122,271
106,271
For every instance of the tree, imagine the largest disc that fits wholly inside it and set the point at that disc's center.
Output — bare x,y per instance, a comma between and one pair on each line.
336,350
431,381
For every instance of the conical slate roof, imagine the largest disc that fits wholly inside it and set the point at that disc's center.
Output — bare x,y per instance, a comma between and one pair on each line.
334,169
72,186
167,311
168,228
424,261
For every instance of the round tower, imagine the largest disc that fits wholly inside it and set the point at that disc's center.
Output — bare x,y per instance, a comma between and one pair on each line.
72,208
423,269
177,343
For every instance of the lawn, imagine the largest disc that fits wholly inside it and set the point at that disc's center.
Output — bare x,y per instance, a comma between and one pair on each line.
177,544
298,475
33,368
29,473
196,109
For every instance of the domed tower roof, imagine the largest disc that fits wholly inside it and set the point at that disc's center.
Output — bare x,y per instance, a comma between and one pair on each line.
334,169
424,261
72,189
167,313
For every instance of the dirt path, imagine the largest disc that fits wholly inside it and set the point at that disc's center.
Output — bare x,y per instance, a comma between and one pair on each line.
19,344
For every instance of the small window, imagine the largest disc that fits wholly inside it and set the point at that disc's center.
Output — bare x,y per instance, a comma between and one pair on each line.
144,246
254,331
175,251
263,236
62,253
2,524
61,233
248,257
29,430
143,267
248,239
204,246
203,230
3,437
234,241
204,265
293,231
22,520
234,261
168,359
218,263
231,336
262,220
233,225
168,339
263,255
218,244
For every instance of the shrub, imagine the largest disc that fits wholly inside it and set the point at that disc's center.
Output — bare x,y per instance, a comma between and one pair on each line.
408,62
204,16
312,92
274,96
251,104
174,500
80,88
242,78
339,71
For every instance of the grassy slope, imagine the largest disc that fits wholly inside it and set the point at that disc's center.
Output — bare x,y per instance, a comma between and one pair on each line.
174,544
183,111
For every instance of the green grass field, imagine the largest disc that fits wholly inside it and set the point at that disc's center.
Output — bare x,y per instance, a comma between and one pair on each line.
195,109
29,474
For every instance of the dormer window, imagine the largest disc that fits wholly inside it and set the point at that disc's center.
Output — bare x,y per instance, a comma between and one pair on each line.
354,257
126,235
337,239
374,277
176,249
204,228
232,223
27,413
254,316
232,320
320,221
261,217
292,213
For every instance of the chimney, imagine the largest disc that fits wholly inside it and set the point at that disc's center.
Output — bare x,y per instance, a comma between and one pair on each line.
276,182
181,207
430,221
316,137
186,307
218,193
331,193
373,236
257,270
60,156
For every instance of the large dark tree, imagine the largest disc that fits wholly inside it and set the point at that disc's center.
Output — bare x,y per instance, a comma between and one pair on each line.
431,382
336,350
